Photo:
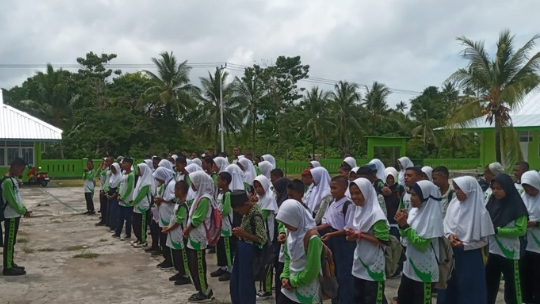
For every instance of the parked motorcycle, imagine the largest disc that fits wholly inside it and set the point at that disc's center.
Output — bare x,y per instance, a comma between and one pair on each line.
37,178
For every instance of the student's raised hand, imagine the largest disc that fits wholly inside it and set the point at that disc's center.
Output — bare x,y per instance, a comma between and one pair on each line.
253,198
401,218
351,235
282,237
386,191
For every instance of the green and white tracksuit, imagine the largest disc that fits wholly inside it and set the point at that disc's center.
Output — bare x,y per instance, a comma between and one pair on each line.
12,214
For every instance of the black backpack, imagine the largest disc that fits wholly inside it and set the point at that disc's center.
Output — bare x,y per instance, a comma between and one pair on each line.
3,204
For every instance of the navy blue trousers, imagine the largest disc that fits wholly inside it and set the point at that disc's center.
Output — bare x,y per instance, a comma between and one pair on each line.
468,281
242,285
124,216
343,252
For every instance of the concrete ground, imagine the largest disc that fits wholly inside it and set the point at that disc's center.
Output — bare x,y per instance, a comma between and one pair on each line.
49,242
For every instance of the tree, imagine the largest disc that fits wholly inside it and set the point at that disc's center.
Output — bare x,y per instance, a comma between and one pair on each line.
318,121
208,113
345,102
251,91
376,106
501,81
427,110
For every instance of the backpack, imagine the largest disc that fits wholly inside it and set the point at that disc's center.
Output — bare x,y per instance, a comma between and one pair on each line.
445,260
213,231
264,254
327,278
450,195
3,204
393,256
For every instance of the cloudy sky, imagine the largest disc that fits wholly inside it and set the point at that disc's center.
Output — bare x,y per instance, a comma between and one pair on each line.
406,44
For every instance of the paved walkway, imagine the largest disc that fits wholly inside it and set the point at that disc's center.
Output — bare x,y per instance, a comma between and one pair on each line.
49,241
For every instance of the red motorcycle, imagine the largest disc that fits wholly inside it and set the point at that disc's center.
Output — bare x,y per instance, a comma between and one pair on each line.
37,178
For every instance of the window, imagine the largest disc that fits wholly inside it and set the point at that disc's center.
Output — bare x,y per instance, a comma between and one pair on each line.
12,153
28,155
2,156
9,150
525,136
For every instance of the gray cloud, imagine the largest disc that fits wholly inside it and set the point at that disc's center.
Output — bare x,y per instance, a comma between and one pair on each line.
404,44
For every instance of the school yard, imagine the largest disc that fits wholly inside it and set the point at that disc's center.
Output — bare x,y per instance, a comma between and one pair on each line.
69,260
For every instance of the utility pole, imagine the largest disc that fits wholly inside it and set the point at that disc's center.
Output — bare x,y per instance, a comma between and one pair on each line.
221,126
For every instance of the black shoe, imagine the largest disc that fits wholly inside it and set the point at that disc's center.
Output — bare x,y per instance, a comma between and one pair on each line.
150,249
19,267
261,295
13,272
165,265
212,250
175,277
225,277
100,224
90,212
201,297
155,252
116,236
217,273
182,281
86,213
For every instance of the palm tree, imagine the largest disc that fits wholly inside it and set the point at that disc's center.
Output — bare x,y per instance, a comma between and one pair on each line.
427,110
315,106
251,91
172,90
375,103
501,81
401,107
208,113
345,101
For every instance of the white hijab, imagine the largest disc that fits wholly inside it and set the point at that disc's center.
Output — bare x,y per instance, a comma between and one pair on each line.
427,220
205,189
146,179
268,200
315,163
405,163
380,168
150,164
351,161
428,171
164,174
165,163
249,171
468,220
269,158
237,182
366,216
116,178
197,161
390,171
266,167
191,169
295,214
532,178
174,156
321,187
221,163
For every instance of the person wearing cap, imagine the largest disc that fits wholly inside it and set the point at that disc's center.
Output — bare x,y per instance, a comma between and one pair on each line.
251,234
125,199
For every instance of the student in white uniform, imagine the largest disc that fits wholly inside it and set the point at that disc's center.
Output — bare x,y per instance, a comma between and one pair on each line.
509,216
404,163
467,225
530,263
165,204
420,230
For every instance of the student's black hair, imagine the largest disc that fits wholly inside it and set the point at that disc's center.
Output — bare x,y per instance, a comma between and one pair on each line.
296,185
364,171
226,176
524,165
181,160
416,169
156,158
90,161
238,198
277,173
250,154
209,160
128,160
442,170
182,185
346,167
341,180
18,162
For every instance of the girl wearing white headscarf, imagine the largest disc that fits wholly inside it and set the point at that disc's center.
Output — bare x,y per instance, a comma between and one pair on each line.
530,263
490,171
150,164
350,161
269,158
320,196
403,163
314,164
380,168
165,207
467,224
112,196
427,172
266,167
370,230
165,163
191,194
392,198
249,171
300,262
197,161
199,217
221,163
141,203
237,175
420,230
